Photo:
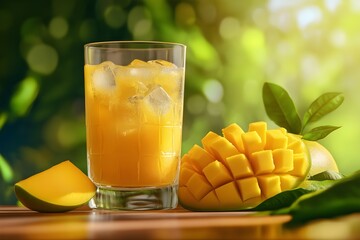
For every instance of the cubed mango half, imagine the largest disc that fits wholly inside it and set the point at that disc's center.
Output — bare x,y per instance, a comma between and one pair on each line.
239,170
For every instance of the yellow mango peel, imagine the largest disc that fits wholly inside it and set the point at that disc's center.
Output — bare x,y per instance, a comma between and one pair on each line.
60,188
241,169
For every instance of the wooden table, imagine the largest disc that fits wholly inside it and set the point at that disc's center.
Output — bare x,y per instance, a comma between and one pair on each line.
83,223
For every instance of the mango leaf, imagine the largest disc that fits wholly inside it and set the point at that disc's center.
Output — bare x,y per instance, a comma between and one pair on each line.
327,175
323,105
319,132
341,198
281,200
280,108
316,185
286,198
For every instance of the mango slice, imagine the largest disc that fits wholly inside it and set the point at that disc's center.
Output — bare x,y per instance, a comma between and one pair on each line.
241,169
60,188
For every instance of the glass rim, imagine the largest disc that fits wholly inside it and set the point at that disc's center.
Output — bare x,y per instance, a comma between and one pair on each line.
133,44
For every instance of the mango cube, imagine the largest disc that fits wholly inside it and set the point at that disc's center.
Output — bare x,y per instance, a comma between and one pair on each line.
276,139
249,188
262,162
239,166
283,160
233,134
292,138
228,196
217,174
301,165
270,185
222,148
260,128
252,142
186,159
208,139
185,174
199,157
198,186
288,182
297,146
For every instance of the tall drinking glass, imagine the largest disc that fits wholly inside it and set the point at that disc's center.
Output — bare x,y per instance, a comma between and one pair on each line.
134,95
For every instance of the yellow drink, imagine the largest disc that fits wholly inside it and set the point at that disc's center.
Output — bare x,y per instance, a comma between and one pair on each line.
133,123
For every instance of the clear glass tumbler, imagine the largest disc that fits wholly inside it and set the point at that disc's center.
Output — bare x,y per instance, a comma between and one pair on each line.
134,95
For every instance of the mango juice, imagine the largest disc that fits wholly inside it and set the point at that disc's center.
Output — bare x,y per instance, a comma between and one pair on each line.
134,123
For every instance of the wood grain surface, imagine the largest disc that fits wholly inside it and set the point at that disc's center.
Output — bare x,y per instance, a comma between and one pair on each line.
84,223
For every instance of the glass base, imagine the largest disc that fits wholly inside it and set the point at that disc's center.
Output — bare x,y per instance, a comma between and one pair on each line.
150,198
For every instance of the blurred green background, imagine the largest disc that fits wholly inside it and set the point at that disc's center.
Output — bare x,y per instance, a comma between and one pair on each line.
308,47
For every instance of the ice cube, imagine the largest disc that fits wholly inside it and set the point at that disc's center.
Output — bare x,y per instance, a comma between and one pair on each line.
138,63
158,100
144,76
104,76
141,90
138,68
168,69
140,73
162,63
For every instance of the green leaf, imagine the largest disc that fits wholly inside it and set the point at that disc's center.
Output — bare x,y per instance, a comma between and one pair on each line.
340,199
319,132
281,200
327,175
316,185
323,105
5,170
286,198
280,108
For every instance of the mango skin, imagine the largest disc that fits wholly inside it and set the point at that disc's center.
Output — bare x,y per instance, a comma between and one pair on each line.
39,205
68,188
256,165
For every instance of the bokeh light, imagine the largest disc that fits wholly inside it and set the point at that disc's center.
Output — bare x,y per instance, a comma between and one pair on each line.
229,28
185,14
58,27
213,90
115,16
140,23
26,92
42,59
